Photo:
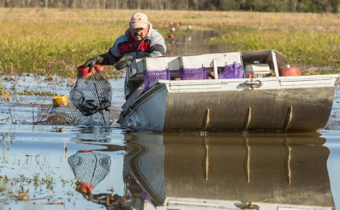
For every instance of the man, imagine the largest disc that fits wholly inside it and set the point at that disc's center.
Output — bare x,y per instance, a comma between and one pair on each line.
140,40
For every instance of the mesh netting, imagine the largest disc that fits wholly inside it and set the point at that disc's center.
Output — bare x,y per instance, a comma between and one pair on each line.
62,115
90,167
231,71
151,76
193,73
91,94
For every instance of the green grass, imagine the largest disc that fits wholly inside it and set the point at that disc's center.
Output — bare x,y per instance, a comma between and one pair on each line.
48,46
55,42
46,49
2,89
35,93
299,47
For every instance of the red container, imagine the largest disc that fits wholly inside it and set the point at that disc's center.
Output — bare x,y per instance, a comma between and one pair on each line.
84,187
84,71
293,71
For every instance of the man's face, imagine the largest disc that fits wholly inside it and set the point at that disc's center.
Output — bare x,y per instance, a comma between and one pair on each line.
139,33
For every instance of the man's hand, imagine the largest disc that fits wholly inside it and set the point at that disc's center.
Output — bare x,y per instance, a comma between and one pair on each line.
93,61
124,62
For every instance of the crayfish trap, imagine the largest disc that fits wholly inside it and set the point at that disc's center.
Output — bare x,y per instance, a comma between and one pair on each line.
61,113
92,93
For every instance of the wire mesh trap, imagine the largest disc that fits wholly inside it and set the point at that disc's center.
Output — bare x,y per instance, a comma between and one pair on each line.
92,93
36,114
63,115
89,169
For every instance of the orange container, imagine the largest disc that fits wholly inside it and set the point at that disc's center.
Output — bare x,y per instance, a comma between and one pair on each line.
84,187
292,71
84,71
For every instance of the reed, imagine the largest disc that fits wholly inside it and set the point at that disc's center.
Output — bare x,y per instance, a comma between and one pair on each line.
53,41
35,41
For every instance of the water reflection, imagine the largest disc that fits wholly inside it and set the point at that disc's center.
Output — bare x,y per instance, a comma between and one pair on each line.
234,171
89,168
92,167
189,171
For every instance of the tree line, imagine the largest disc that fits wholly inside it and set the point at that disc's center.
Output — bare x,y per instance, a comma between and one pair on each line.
319,6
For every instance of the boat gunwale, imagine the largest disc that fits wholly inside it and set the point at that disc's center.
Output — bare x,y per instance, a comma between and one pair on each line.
224,81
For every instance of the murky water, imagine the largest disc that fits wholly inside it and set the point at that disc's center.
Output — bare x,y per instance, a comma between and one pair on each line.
75,167
81,167
183,170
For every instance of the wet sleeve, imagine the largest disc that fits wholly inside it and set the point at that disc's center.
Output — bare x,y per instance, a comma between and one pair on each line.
109,58
112,56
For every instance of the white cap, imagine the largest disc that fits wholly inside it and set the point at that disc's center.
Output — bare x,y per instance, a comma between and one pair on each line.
139,20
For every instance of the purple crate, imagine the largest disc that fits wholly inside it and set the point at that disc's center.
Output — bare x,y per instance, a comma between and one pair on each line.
231,71
151,76
193,73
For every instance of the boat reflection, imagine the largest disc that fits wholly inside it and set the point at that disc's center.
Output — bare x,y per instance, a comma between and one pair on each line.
230,171
215,171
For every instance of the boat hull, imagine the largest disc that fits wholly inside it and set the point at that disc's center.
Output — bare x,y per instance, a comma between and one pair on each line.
293,104
290,109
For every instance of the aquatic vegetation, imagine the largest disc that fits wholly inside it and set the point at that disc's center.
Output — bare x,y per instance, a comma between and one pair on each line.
5,142
35,93
307,40
1,87
57,41
39,44
4,93
299,47
20,185
3,183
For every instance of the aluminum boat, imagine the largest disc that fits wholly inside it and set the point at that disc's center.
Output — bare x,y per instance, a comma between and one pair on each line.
237,91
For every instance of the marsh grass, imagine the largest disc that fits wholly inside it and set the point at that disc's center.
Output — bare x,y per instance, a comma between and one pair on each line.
57,41
54,42
2,90
20,186
35,93
301,49
307,40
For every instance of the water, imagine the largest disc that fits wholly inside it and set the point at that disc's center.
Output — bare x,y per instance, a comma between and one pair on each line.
224,170
184,170
79,167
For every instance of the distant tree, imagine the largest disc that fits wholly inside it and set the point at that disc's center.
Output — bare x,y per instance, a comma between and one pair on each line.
335,5
224,5
193,4
228,5
313,6
293,5
182,5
